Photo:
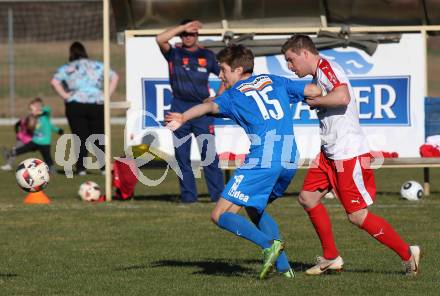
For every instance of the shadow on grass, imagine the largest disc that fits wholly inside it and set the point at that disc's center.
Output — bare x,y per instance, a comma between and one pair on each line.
208,267
7,275
217,267
133,267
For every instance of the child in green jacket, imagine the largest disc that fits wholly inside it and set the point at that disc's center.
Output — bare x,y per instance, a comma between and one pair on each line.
42,135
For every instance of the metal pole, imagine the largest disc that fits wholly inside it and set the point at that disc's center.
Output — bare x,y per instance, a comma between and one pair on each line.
107,126
11,63
291,30
323,13
426,185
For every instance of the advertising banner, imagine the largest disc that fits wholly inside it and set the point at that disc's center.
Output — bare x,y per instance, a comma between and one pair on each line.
389,88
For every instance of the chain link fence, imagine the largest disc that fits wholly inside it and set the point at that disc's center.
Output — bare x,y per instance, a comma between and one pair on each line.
34,41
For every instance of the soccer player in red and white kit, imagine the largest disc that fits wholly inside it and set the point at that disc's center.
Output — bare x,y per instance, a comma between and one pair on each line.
343,163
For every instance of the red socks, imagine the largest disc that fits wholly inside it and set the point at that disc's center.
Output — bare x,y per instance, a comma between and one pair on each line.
382,231
321,221
376,226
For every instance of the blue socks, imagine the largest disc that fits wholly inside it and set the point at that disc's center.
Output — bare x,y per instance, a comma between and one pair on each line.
262,236
268,225
242,227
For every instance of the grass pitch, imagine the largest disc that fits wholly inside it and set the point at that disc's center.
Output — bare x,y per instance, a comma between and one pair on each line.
154,246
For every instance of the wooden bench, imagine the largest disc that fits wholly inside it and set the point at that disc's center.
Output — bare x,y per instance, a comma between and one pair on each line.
401,162
416,162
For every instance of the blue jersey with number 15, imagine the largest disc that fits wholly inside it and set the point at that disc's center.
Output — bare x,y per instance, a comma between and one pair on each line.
261,106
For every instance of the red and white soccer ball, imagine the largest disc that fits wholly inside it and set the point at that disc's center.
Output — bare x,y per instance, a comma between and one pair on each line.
32,175
89,191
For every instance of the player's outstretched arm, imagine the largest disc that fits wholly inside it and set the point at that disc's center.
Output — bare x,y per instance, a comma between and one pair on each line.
338,97
175,120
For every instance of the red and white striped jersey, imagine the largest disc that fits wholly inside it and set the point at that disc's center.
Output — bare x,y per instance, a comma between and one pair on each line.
341,133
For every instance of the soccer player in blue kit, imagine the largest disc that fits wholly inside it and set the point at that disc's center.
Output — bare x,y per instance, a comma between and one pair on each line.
260,104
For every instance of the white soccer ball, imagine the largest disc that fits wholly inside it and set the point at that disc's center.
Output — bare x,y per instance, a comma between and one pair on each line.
411,190
32,175
89,191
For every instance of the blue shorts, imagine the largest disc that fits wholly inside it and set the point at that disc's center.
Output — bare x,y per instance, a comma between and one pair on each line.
256,187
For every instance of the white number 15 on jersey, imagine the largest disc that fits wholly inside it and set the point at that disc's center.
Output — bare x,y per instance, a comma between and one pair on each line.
260,96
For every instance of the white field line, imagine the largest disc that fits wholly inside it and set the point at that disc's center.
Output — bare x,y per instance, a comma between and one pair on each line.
60,120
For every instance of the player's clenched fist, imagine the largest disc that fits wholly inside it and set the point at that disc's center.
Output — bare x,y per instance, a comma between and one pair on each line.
174,120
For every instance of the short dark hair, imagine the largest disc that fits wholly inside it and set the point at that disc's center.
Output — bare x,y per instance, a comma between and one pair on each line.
185,21
298,42
77,51
236,55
